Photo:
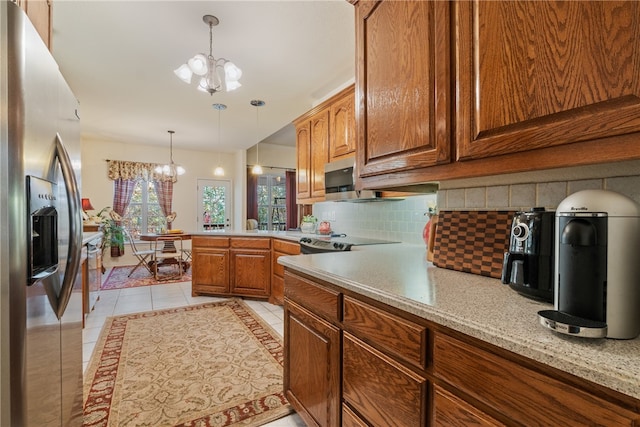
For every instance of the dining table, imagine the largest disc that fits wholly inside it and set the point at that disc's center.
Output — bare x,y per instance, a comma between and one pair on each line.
169,246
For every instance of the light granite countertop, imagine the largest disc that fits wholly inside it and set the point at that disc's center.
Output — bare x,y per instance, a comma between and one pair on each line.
399,275
285,235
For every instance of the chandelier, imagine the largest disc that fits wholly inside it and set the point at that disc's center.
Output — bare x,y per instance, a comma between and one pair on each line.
170,169
209,68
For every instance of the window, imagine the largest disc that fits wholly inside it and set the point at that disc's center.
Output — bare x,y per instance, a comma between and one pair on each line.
143,214
272,208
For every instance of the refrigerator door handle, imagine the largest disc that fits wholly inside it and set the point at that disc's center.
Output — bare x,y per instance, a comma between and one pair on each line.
75,225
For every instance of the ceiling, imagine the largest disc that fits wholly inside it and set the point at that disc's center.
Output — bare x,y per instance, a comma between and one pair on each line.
119,56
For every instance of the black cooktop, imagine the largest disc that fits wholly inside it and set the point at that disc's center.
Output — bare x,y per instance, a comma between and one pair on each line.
319,244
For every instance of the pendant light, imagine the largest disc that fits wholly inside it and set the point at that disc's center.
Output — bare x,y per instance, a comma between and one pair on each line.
219,171
257,169
170,169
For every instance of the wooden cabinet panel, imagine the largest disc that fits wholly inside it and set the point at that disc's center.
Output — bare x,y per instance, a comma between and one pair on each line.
210,271
525,396
250,243
39,13
403,96
382,390
209,242
394,334
303,153
312,366
451,411
535,75
350,419
280,248
321,300
342,135
250,272
319,151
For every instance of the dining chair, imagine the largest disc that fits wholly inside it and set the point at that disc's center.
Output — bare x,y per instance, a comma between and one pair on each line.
168,251
143,255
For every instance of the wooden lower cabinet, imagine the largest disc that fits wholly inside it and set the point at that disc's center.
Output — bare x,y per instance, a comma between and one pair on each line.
522,395
379,388
312,366
226,266
280,248
451,411
355,362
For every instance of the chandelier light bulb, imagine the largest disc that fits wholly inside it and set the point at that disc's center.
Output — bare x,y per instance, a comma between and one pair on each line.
211,70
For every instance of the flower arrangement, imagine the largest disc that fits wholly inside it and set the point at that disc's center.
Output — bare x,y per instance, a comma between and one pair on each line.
113,231
308,224
309,218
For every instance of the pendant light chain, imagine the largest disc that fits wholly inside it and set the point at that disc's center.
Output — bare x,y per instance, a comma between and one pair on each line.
257,169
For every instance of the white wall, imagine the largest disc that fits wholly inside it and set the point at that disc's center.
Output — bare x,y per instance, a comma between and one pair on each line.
198,164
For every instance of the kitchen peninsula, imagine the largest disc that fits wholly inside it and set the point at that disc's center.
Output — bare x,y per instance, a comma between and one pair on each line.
394,340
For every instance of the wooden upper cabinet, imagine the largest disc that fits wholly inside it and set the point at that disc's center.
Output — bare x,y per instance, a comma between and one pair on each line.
403,116
323,134
533,75
39,13
319,151
342,138
303,152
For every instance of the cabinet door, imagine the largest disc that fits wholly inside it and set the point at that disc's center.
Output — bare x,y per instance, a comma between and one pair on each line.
312,366
210,271
539,74
303,151
319,151
39,13
450,411
402,85
382,390
250,272
342,138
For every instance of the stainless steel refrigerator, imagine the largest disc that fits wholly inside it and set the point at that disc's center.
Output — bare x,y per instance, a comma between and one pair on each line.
40,233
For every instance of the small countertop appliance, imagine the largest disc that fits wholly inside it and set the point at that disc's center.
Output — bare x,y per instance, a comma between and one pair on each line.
528,265
597,271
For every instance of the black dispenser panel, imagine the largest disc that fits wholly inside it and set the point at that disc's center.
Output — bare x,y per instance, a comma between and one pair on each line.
582,267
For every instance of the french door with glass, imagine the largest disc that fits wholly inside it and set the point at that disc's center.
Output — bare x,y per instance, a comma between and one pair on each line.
214,204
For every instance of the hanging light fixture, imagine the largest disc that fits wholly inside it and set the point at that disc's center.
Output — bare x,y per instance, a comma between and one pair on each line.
210,68
219,171
257,169
170,169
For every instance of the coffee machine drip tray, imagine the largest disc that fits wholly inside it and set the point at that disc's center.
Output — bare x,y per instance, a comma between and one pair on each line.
572,325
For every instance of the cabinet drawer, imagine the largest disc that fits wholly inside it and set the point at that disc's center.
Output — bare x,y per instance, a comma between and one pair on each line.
384,392
451,411
521,394
391,333
321,300
210,242
350,419
250,243
291,248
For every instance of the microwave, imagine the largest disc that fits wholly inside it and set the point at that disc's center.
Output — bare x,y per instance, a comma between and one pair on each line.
339,183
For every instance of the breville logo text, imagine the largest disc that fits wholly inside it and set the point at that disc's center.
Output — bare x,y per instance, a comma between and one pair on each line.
583,208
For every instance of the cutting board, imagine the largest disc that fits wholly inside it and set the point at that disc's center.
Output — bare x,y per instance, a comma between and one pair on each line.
472,241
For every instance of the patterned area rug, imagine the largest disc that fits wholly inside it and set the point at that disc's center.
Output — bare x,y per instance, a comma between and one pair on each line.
215,364
117,278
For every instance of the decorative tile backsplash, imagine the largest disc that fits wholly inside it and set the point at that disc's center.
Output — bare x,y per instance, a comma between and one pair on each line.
404,220
401,220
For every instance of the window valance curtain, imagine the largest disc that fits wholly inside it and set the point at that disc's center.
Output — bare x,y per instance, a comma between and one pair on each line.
126,170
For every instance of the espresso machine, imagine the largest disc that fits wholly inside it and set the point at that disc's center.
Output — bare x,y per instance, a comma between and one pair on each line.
597,270
528,265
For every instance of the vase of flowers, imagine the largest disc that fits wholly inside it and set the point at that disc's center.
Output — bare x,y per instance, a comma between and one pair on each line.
308,224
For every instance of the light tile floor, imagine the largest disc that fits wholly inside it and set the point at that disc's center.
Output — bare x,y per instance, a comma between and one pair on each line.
145,298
